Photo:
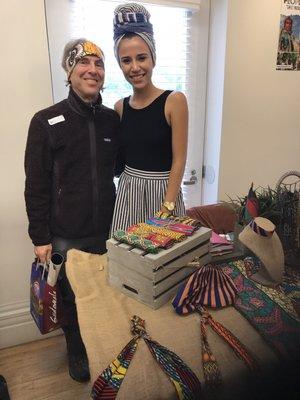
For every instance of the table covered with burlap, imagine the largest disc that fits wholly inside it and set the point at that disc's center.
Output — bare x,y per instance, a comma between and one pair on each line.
104,317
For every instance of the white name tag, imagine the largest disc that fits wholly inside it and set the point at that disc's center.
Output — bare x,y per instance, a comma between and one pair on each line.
56,120
107,139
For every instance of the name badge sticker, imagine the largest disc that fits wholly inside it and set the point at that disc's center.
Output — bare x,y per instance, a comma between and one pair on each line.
56,120
107,139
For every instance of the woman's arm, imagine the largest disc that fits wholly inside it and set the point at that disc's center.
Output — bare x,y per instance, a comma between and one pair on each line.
119,107
120,159
176,111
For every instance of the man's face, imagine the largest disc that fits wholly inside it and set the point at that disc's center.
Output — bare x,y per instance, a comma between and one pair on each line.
288,25
87,77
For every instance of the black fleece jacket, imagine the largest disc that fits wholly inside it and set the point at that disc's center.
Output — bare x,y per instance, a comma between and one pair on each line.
69,164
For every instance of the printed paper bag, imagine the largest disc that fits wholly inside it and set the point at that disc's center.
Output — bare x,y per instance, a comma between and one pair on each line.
45,300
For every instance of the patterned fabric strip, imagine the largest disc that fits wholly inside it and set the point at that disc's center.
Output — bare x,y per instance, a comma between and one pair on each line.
143,228
108,383
183,378
158,239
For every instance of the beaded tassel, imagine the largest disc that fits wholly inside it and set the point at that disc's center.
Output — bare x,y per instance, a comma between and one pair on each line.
211,370
212,373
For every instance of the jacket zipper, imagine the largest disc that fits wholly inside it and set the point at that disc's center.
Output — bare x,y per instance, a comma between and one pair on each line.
95,189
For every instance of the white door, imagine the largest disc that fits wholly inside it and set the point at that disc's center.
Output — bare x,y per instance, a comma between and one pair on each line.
196,93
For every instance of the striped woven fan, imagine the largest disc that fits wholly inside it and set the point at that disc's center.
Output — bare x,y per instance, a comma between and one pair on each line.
208,286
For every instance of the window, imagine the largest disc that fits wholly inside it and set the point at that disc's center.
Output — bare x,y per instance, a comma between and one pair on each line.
179,67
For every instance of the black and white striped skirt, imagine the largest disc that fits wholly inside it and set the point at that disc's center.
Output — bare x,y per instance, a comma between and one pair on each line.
140,195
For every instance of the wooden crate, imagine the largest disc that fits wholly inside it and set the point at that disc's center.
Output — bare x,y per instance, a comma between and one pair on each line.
154,278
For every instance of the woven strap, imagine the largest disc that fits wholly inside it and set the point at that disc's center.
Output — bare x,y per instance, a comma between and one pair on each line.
211,370
212,373
109,381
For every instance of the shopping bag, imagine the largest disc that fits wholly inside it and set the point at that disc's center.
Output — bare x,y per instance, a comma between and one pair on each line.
45,298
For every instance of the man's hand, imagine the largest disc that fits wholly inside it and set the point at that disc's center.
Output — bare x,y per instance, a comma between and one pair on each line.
43,253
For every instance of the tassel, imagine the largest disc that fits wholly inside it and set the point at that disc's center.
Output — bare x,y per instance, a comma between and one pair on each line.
211,370
212,373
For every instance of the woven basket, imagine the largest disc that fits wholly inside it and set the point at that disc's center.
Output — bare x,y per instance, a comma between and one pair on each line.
288,229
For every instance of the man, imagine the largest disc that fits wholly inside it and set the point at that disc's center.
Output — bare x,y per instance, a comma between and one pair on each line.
286,37
69,191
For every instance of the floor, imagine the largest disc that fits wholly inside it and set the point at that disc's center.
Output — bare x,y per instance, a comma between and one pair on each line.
38,371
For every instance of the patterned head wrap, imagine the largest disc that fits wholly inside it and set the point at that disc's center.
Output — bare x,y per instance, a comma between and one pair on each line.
133,18
77,49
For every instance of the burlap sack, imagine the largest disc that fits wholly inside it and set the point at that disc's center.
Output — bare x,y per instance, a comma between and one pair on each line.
104,317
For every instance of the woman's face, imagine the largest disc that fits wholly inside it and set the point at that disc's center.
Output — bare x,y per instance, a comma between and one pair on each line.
136,61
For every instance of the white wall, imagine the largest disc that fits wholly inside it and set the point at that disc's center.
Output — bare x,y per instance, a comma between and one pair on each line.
260,130
25,88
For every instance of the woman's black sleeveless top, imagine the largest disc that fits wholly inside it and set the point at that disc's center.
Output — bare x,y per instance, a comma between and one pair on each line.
146,136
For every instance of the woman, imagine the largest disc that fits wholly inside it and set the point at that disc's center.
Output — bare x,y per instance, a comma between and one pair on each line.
154,127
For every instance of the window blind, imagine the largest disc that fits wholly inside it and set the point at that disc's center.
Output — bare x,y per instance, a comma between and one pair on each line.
93,19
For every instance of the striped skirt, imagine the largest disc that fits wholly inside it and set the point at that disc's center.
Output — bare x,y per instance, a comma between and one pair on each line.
140,195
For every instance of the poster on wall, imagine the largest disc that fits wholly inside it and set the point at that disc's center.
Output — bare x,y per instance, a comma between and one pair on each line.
288,54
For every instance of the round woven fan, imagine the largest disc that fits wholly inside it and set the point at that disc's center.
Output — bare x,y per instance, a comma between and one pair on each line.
288,192
290,181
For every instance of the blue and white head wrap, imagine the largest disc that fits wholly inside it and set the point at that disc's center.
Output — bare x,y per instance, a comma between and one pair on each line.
133,18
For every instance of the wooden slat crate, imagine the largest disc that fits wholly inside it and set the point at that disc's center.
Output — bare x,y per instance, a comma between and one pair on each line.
154,278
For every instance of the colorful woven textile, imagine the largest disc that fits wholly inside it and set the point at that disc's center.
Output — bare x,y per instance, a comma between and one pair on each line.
143,229
156,238
181,220
282,295
109,381
136,241
267,313
186,229
208,286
